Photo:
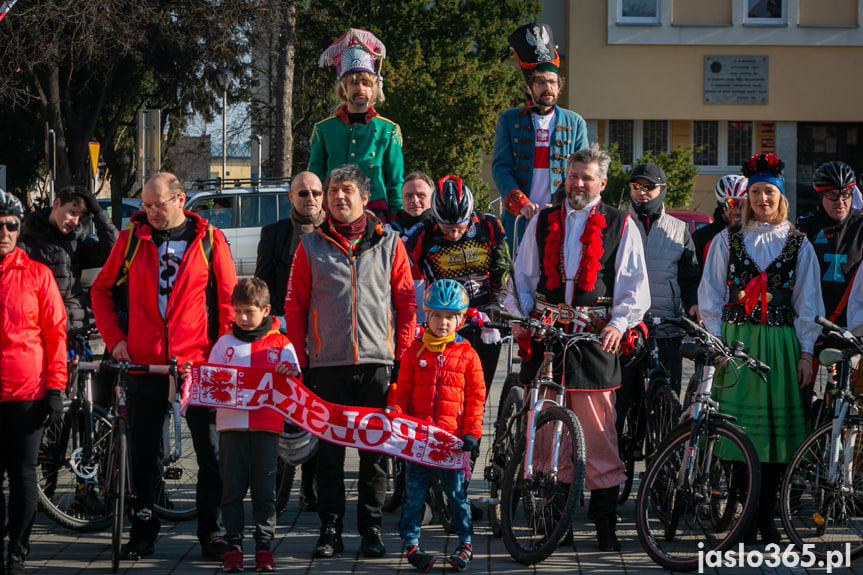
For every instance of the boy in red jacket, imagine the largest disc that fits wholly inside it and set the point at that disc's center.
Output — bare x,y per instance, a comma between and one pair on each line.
441,382
249,440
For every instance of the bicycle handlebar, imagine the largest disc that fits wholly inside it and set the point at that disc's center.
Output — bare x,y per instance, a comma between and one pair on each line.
545,330
126,367
850,340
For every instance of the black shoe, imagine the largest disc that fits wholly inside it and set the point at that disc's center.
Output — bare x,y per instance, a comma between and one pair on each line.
373,545
135,549
329,543
89,500
215,548
606,538
15,564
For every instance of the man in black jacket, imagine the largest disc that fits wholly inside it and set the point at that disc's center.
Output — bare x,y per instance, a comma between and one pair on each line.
55,237
276,251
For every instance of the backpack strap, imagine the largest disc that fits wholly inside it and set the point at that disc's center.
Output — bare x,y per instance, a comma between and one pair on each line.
207,245
131,250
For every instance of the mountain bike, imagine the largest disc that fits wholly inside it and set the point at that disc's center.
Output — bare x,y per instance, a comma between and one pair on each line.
821,500
700,491
536,505
650,419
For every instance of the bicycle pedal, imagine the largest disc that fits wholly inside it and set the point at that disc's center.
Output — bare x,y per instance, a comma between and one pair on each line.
144,514
173,473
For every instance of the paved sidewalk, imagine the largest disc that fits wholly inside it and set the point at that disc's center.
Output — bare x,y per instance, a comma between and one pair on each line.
59,551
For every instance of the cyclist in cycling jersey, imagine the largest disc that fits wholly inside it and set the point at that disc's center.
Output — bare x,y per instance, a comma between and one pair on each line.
730,193
468,246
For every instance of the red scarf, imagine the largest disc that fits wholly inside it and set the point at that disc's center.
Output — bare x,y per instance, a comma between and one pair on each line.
591,250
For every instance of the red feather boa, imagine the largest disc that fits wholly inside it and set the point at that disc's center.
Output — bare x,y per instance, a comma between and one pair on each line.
591,251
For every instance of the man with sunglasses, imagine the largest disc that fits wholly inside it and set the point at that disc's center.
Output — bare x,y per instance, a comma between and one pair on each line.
279,242
730,194
836,232
179,280
672,272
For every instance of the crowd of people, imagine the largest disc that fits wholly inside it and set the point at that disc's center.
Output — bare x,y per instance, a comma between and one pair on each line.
365,256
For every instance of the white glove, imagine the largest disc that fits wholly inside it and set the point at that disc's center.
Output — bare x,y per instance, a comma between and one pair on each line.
488,336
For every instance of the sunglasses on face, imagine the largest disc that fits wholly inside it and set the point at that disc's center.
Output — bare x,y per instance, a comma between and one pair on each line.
305,193
636,187
836,194
10,226
732,203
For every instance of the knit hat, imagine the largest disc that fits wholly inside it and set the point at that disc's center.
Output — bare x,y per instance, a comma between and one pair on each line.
534,49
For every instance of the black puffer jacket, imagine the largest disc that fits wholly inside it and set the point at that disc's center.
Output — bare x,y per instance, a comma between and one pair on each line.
67,255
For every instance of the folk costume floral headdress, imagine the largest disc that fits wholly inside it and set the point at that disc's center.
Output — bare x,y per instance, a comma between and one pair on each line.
765,168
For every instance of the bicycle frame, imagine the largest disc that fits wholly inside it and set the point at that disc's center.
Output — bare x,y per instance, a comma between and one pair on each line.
542,381
845,407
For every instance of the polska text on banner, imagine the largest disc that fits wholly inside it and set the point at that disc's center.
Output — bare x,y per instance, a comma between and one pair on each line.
248,388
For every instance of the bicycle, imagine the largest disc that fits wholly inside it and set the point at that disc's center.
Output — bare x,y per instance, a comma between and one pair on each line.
536,506
821,498
650,419
700,491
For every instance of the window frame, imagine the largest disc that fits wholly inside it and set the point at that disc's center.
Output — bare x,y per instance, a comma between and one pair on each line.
638,136
723,166
640,20
764,20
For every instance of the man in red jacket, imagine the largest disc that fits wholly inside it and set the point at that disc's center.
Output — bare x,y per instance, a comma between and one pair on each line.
179,302
351,300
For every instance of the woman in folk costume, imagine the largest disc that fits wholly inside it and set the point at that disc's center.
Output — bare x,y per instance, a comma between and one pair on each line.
761,285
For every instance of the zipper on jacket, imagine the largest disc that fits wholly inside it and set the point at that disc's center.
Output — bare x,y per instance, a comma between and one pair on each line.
438,370
354,306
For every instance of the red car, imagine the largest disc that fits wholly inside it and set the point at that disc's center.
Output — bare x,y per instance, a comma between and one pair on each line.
693,218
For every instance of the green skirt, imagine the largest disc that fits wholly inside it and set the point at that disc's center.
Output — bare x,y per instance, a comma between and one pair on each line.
770,413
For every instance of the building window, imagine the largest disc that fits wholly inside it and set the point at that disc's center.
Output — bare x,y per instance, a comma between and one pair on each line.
722,145
655,136
765,12
638,11
620,132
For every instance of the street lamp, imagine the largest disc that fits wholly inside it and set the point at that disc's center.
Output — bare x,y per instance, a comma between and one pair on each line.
223,78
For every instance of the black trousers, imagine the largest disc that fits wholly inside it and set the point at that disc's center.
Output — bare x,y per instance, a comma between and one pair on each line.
20,434
364,386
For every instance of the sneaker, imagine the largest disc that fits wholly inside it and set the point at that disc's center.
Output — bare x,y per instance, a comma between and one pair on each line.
422,561
15,565
373,545
137,548
215,548
329,543
460,558
264,561
232,561
89,500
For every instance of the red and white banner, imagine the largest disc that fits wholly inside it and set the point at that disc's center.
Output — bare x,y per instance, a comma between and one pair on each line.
212,385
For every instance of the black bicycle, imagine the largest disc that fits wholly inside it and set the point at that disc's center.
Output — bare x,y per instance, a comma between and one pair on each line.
650,419
700,491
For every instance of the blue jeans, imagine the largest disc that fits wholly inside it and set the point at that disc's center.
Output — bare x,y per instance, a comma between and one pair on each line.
453,484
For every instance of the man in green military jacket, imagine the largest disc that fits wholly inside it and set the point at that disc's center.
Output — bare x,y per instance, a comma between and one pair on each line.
356,133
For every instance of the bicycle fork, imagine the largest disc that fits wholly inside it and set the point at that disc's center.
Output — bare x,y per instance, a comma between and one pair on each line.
544,380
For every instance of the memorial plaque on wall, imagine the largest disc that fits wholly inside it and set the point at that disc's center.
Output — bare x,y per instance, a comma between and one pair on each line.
732,79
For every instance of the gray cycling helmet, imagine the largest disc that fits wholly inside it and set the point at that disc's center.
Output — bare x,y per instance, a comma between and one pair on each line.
10,205
297,446
833,176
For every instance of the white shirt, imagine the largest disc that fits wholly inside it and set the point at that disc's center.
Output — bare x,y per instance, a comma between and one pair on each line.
764,243
631,291
540,180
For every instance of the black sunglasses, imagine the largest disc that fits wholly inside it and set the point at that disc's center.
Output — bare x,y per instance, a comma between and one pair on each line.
11,226
305,193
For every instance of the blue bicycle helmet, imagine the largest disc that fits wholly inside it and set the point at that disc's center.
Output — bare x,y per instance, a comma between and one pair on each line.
445,295
10,205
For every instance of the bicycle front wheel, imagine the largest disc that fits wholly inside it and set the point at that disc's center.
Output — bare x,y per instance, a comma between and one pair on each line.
117,492
505,437
65,496
629,443
663,415
674,508
285,473
816,511
536,513
177,486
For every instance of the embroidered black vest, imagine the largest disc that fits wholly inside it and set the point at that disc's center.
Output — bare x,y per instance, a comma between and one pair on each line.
603,291
780,281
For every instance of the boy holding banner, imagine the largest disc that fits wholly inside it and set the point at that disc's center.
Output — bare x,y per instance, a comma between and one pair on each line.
440,382
249,439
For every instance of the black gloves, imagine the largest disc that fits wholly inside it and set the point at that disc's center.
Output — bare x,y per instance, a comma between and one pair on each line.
469,443
90,201
394,374
53,406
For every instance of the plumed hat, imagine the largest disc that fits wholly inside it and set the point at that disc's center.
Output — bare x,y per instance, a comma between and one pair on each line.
356,50
534,49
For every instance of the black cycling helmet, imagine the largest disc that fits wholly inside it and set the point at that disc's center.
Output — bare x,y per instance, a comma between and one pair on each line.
452,202
833,176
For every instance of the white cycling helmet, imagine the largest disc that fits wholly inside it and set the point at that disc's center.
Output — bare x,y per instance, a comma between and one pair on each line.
730,187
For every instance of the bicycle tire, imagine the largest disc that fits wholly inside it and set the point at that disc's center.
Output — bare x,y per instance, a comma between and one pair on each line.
511,381
56,480
626,448
671,522
505,437
285,473
118,494
726,502
662,416
822,516
176,491
395,483
532,530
